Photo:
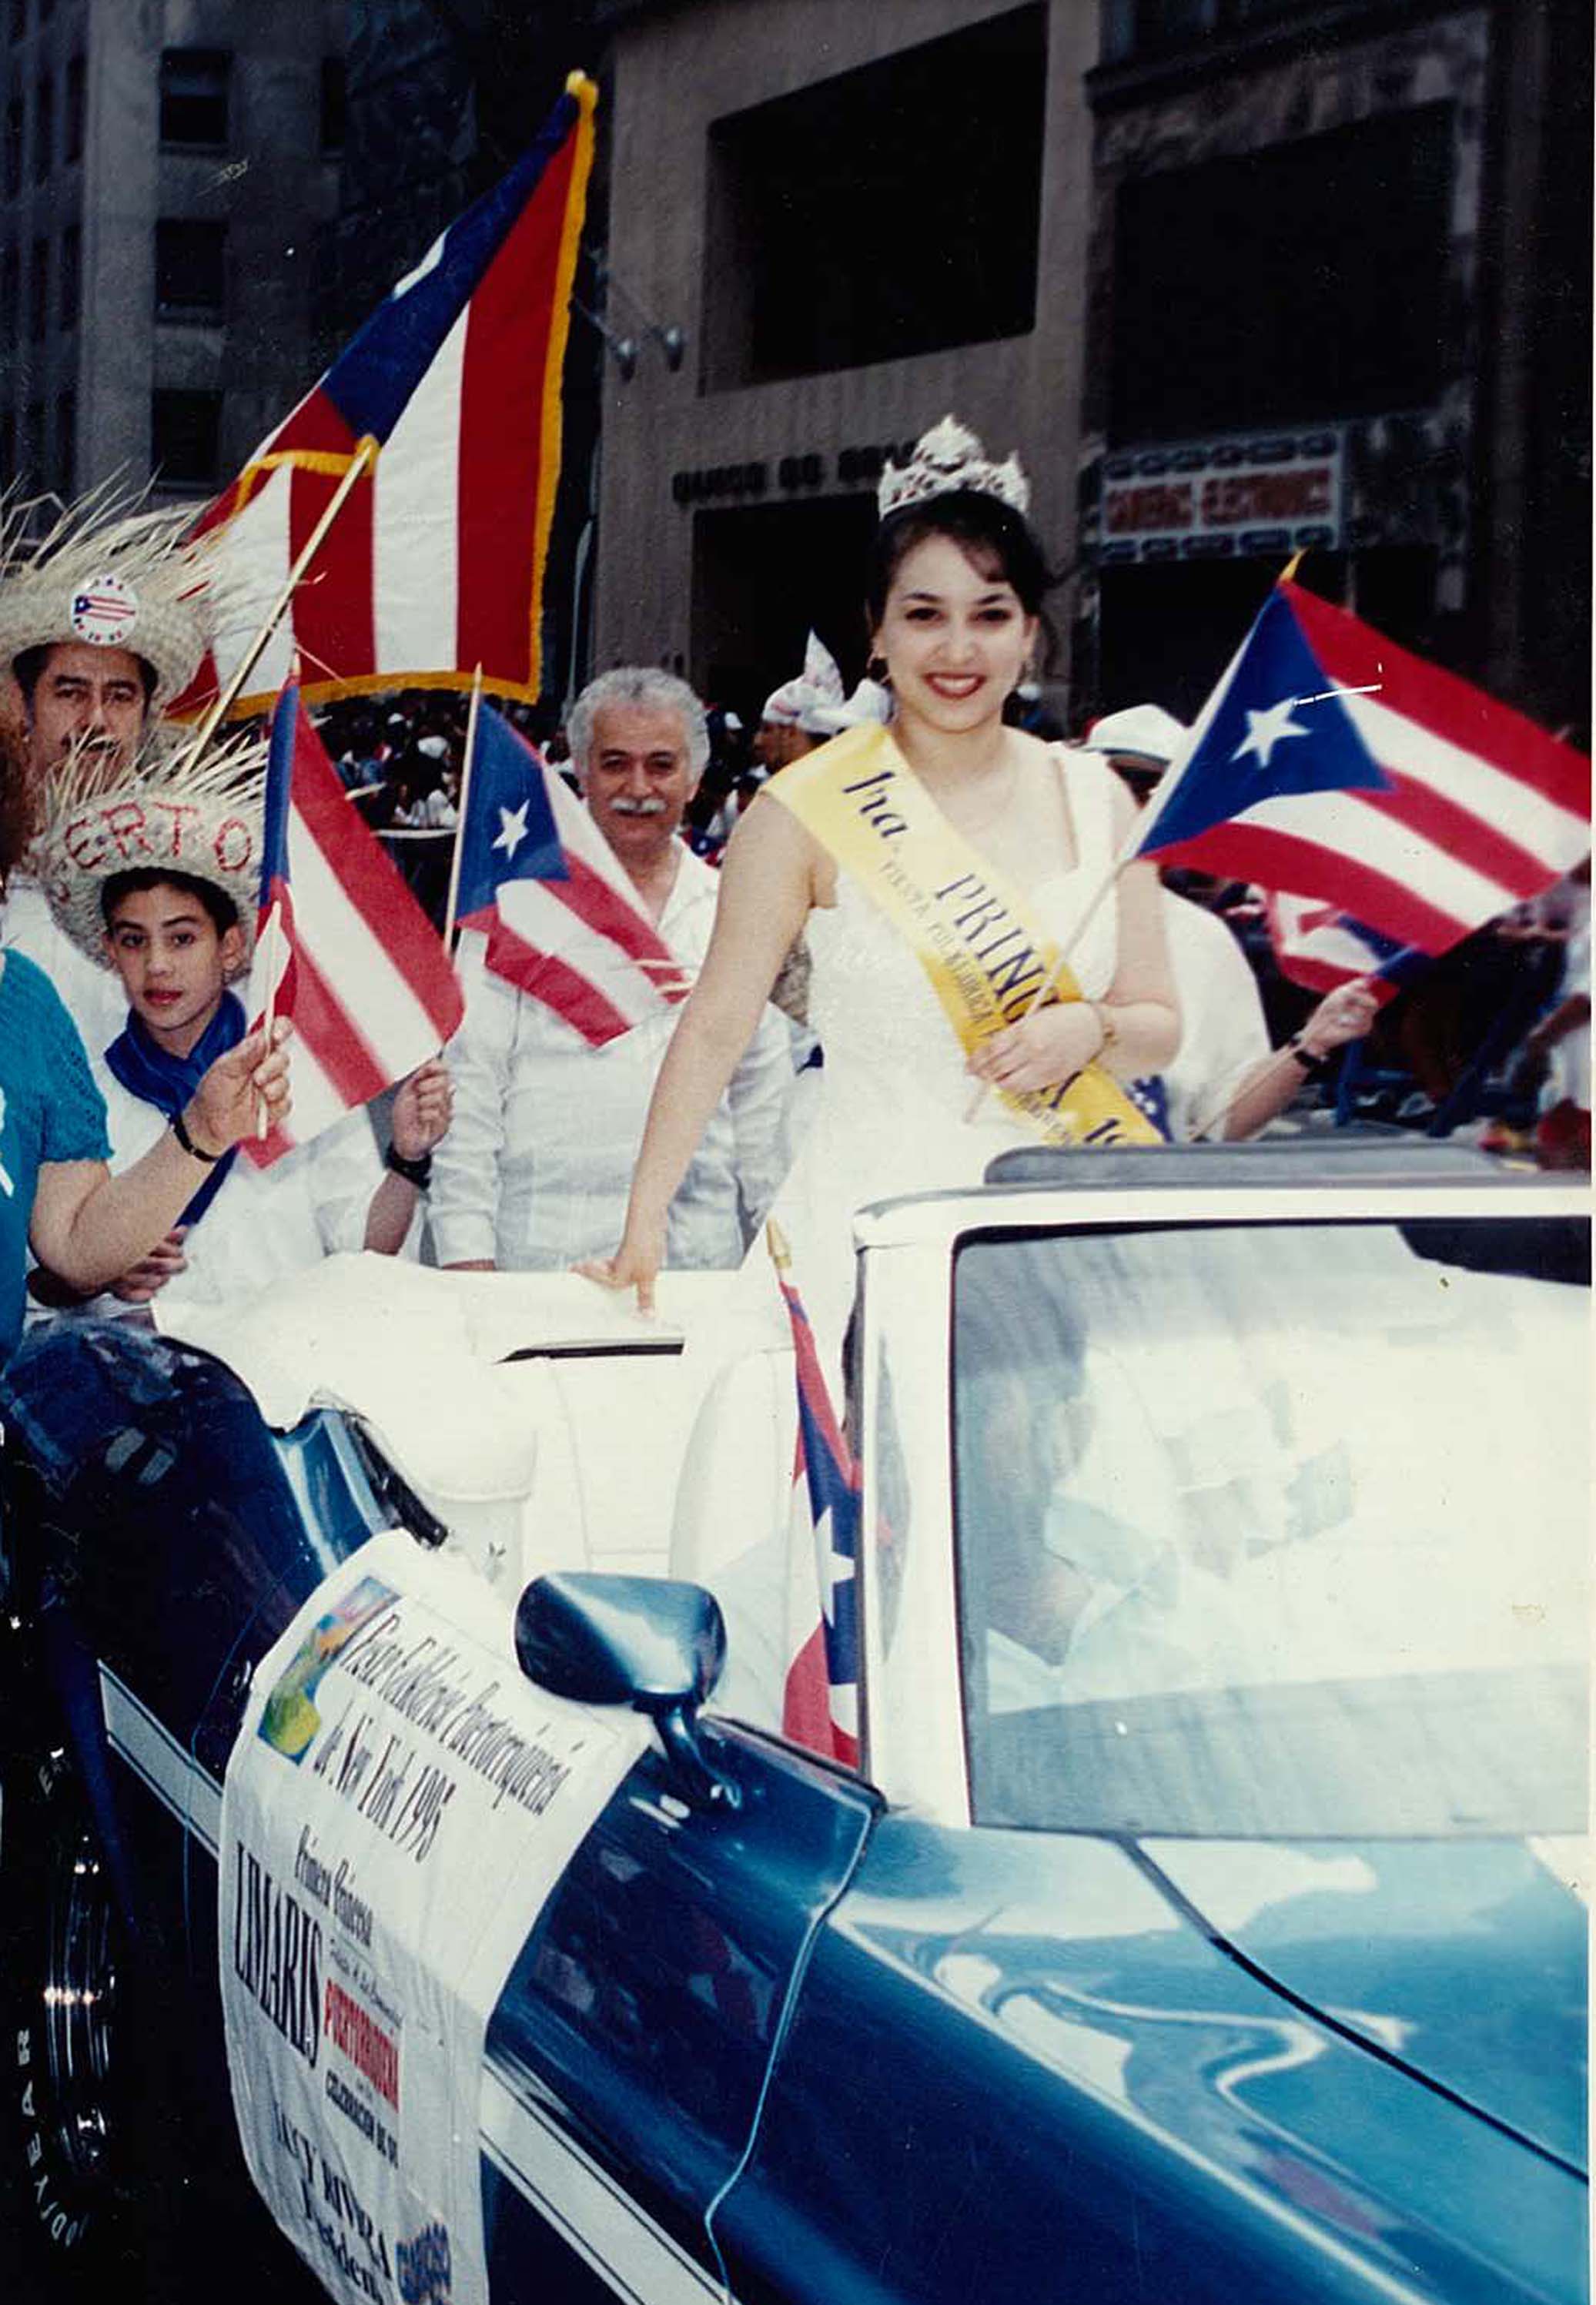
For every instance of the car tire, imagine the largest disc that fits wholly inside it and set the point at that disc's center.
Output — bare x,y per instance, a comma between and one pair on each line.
93,2216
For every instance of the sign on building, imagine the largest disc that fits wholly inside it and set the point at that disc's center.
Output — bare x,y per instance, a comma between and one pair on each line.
1223,499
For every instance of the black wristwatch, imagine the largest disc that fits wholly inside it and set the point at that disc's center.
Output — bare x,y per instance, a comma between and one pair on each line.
418,1173
1312,1066
180,1130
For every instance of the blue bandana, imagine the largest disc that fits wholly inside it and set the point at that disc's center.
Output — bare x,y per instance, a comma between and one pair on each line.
147,1071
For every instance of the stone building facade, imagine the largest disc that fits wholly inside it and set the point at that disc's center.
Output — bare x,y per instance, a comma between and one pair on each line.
1235,278
165,168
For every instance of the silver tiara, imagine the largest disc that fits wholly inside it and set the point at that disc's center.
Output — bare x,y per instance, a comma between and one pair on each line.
947,457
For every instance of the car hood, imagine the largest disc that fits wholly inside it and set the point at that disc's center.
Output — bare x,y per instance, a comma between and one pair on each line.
1465,1961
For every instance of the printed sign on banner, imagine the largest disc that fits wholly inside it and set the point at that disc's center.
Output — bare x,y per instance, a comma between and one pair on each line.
397,1807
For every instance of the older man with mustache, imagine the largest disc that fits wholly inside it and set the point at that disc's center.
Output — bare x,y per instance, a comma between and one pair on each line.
536,1169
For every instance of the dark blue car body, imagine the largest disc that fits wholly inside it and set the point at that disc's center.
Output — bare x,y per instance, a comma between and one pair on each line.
815,2046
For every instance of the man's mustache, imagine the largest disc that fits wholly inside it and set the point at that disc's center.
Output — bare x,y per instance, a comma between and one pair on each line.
649,807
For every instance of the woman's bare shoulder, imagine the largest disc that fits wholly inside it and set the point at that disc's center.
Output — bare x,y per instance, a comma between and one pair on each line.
769,845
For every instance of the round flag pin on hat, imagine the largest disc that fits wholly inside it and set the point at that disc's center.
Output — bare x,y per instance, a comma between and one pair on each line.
105,611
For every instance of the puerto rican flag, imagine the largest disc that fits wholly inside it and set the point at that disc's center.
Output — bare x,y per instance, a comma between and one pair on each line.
541,883
1319,947
435,565
820,1699
343,947
1329,762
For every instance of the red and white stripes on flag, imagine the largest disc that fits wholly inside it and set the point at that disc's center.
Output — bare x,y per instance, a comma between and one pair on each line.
562,920
1331,762
436,562
343,947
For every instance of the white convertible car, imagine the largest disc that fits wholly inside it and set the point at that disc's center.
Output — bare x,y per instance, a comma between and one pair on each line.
406,1828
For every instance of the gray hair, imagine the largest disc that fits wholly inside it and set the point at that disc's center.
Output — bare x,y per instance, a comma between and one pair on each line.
638,684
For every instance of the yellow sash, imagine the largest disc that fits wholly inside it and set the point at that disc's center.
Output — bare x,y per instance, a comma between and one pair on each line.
969,930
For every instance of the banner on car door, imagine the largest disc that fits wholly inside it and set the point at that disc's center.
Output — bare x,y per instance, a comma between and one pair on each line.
398,1805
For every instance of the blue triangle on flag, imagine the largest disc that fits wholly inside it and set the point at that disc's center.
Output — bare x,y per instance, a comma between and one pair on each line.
509,832
1280,730
372,381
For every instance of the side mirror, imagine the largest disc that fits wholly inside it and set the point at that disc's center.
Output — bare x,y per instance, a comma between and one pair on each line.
653,1643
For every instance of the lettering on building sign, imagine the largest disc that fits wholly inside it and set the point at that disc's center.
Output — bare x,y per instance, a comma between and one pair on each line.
1197,501
795,474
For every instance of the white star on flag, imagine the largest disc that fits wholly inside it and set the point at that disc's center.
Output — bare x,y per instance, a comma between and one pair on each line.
1265,730
836,1568
512,829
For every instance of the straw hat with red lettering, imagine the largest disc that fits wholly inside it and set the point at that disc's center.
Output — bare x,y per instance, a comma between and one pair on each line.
111,576
203,822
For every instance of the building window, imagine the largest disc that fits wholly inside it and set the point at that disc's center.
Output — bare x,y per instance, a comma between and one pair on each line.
38,291
18,20
8,440
190,270
815,256
66,444
10,293
1252,275
69,278
74,110
13,147
334,107
194,95
184,435
44,129
1148,29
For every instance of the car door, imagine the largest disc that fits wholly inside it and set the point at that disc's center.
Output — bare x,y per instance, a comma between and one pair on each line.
627,2061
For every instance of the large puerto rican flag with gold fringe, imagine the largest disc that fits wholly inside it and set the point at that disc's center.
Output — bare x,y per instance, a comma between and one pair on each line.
435,564
342,948
1333,763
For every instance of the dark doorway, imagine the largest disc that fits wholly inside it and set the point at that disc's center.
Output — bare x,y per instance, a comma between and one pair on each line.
763,576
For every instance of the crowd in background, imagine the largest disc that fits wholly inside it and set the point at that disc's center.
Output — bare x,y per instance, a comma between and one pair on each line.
1478,1040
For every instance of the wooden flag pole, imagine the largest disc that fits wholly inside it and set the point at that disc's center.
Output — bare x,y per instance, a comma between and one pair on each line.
216,712
467,765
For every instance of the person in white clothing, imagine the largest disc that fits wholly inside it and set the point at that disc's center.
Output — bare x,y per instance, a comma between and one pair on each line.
172,928
536,1168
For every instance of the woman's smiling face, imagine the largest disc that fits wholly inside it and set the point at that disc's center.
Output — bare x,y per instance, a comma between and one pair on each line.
955,639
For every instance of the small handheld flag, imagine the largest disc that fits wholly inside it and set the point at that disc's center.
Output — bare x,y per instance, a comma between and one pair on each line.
1330,761
538,879
820,1698
343,949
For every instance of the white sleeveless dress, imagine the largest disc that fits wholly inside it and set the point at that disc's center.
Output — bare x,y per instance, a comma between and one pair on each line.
890,1117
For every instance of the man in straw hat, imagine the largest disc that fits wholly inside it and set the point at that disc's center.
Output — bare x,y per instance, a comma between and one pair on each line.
155,881
104,621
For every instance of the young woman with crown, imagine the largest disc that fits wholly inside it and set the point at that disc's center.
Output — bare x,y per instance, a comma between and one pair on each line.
941,863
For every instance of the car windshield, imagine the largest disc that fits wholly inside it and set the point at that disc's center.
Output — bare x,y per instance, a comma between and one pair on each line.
1275,1530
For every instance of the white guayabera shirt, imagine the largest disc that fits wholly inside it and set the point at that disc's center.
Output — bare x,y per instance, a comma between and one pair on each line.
537,1166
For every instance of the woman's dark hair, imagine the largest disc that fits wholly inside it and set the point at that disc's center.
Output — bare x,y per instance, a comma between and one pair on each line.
216,902
992,535
16,801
